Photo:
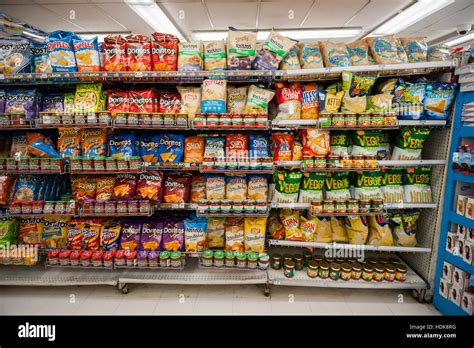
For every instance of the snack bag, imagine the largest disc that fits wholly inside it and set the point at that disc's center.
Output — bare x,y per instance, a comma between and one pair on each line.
236,146
91,235
334,54
409,143
254,234
357,229
416,48
41,61
19,145
439,98
149,145
257,188
337,186
198,188
123,145
258,146
170,103
340,142
287,186
130,236
310,102
365,143
214,96
86,188
215,57
438,52
150,186
194,149
176,189
190,56
23,101
312,187
236,99
216,232
40,146
142,101
310,56
392,188
308,228
404,228
69,102
241,49
6,183
417,185
195,231
359,52
384,49
323,232
290,220
15,55
30,230
87,54
215,187
257,101
164,52
118,101
282,146
274,226
54,234
276,48
357,85
115,53
291,61
104,187
125,187
94,142
330,102
139,53
61,51
8,232
367,185
315,142
215,148
234,234
236,188
190,100
151,235
379,231
87,97
402,55
53,103
171,148
338,229
288,99
110,235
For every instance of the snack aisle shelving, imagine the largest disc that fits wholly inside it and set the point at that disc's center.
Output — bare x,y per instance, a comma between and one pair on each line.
444,301
192,274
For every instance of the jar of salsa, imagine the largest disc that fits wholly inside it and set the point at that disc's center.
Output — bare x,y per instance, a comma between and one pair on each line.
352,206
307,255
346,162
356,271
229,259
328,207
401,273
207,258
350,120
368,272
370,162
298,262
364,206
389,274
241,260
364,120
165,259
390,119
323,270
377,205
312,270
377,120
333,162
358,161
340,206
289,269
309,163
335,271
64,257
338,119
176,259
379,271
263,261
346,271
316,207
319,162
252,259
119,257
275,261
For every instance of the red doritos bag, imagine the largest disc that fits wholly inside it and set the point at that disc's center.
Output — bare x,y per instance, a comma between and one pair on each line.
115,53
177,188
125,187
118,101
139,53
150,186
142,100
165,52
170,103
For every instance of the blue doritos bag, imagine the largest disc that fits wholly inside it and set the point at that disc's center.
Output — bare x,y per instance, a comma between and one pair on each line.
171,149
61,51
123,145
258,146
438,100
149,145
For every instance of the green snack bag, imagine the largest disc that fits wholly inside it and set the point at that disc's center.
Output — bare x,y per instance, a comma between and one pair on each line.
417,185
287,186
367,185
8,231
337,186
404,228
392,188
365,143
409,143
312,187
340,142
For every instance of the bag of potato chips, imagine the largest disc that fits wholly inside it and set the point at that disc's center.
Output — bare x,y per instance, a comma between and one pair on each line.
334,54
215,56
359,52
234,234
416,48
254,234
310,56
384,49
236,99
190,56
194,149
216,232
257,100
291,222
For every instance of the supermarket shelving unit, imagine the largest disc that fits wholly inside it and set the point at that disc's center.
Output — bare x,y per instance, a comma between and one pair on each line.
460,131
418,258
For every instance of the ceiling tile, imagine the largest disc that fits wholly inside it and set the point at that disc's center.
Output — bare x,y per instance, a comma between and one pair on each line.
127,17
243,14
195,16
277,13
333,13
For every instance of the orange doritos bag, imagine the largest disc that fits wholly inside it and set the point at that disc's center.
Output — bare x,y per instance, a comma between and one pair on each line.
194,149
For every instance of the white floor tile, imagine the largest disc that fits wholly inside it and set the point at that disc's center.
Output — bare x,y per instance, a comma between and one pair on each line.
251,306
129,306
412,309
290,308
330,308
361,308
99,306
213,307
168,306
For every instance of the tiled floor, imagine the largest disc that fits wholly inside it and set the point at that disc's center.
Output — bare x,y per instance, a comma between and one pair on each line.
192,299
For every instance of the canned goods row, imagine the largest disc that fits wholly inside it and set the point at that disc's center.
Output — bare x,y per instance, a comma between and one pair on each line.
42,207
350,206
340,162
363,120
230,120
105,164
151,119
27,165
110,207
232,207
232,259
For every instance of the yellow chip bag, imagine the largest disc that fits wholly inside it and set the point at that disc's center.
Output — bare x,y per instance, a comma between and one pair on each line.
55,232
234,234
308,228
291,222
87,97
338,228
254,231
357,229
236,188
323,230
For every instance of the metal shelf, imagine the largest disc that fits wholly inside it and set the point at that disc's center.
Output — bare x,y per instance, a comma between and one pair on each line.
422,123
411,163
386,205
345,246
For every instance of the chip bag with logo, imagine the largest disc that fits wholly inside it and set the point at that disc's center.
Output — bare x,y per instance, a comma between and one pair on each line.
86,188
310,102
171,148
150,186
87,97
315,142
337,186
87,54
384,49
438,100
125,187
30,230
54,234
236,98
173,235
94,142
123,145
334,54
164,52
216,232
287,186
176,188
310,56
118,101
289,100
198,188
130,236
69,142
234,234
195,231
236,146
312,187
151,235
141,100
416,48
190,56
236,188
41,61
139,53
359,52
74,234
91,234
40,146
104,187
170,103
258,100
215,187
194,149
282,146
61,51
254,234
115,53
110,235
215,148
291,222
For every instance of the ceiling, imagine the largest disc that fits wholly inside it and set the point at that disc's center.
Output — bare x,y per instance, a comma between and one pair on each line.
107,16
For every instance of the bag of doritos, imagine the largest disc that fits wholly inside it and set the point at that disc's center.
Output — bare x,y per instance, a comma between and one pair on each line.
176,188
115,53
123,145
150,186
139,53
125,187
170,103
118,101
165,52
171,148
149,145
141,100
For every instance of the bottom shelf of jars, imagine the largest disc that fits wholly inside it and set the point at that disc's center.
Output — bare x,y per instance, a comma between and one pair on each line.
301,278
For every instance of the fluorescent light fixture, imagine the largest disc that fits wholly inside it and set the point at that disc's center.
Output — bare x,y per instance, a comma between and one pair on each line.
297,34
154,16
33,36
408,17
101,36
459,40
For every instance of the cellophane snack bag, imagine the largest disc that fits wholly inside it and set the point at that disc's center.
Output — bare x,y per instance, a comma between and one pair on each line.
402,54
176,188
54,234
365,143
380,232
40,146
338,229
236,188
409,143
125,187
236,146
41,61
438,52
30,230
25,101
61,51
19,145
290,220
254,234
234,234
87,54
151,235
190,56
173,235
215,148
216,232
53,102
258,146
86,187
170,103
416,48
287,186
215,55
310,102
357,229
149,145
118,101
215,187
214,96
291,61
130,236
337,186
104,187
87,97
288,99
334,54
150,186
164,52
257,188
115,53
91,234
312,187
198,188
417,185
340,142
241,47
404,228
367,185
195,231
257,100
310,55
139,53
6,183
274,226
141,100
282,146
171,148
110,235
439,98
392,188
323,232
94,142
384,49
275,49
408,100
74,234
194,149
383,151
308,228
236,99
315,142
359,52
123,145
190,100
